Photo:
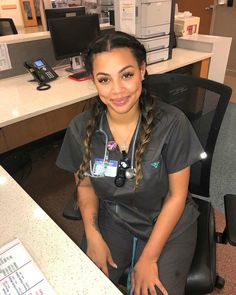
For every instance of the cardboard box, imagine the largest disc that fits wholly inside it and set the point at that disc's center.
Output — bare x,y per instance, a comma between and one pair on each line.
184,26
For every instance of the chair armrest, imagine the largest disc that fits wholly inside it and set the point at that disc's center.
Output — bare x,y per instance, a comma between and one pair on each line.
71,210
230,216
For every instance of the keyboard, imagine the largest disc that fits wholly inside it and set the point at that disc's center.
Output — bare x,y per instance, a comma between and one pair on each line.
80,75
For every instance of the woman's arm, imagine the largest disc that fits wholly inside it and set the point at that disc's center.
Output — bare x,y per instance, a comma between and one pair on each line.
88,203
170,214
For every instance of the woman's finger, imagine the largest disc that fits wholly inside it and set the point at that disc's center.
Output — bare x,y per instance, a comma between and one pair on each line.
111,261
152,291
104,269
137,289
132,282
161,287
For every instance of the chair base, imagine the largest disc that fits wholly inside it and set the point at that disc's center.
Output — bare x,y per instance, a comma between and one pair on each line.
220,282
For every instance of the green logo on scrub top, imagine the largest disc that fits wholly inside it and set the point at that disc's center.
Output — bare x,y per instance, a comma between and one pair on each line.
155,164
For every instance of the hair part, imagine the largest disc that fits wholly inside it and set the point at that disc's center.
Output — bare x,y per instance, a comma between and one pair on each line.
113,40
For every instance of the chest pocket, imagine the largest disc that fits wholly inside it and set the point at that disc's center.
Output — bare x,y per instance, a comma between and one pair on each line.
153,187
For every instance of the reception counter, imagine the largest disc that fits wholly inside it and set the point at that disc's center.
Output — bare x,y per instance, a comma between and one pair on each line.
67,269
27,114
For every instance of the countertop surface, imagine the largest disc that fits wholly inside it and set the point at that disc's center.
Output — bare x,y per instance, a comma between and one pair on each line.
65,266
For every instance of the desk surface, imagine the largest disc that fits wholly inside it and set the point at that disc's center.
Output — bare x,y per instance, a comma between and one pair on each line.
65,266
20,100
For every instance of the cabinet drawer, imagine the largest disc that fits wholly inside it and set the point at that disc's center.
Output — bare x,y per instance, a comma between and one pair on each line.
156,43
157,56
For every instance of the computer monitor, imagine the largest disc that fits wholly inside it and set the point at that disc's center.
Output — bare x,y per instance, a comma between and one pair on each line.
71,36
52,13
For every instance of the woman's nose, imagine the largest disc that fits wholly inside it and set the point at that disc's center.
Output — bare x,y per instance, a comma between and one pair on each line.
117,86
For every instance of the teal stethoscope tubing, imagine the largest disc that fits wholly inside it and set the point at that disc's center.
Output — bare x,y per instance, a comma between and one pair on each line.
135,240
105,157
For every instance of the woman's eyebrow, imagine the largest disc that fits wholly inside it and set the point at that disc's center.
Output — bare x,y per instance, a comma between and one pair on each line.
106,74
129,66
101,73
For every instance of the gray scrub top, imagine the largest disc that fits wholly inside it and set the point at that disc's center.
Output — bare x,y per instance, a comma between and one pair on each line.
173,146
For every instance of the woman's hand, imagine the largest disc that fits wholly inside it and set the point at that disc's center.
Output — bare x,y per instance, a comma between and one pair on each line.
99,253
145,277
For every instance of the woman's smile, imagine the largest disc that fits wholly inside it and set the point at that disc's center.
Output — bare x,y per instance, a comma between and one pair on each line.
120,101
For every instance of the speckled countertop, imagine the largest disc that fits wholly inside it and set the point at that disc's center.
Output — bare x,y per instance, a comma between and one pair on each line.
65,266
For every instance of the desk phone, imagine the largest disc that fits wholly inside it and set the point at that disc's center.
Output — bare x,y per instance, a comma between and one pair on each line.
40,70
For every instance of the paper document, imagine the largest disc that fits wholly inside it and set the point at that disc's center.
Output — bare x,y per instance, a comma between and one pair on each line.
127,16
19,274
5,62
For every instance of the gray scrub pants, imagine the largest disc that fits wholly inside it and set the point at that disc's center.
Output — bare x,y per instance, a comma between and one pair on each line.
174,261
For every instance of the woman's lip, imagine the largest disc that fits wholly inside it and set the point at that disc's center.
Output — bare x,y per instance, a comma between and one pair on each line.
120,101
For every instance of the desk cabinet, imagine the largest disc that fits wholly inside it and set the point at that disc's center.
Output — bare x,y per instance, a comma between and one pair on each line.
3,146
37,127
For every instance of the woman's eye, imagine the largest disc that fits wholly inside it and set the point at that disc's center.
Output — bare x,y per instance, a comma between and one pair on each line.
127,75
103,80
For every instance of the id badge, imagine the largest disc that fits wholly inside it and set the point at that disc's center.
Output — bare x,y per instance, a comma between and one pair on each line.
105,168
111,169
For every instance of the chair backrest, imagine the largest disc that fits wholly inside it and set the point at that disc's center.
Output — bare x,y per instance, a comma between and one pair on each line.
7,27
204,102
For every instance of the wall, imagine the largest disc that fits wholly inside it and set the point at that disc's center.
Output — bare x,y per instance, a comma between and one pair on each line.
21,52
15,14
225,25
47,4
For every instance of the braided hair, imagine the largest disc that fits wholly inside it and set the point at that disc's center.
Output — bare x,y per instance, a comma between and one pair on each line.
106,43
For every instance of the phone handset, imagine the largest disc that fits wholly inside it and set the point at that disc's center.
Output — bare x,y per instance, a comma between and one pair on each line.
41,72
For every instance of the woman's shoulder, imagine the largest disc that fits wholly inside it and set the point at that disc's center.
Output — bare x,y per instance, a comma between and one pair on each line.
80,121
165,111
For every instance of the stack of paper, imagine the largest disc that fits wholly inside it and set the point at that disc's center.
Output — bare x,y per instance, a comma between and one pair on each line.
19,274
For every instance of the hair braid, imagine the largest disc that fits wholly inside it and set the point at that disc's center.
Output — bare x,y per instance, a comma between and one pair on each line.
147,106
93,122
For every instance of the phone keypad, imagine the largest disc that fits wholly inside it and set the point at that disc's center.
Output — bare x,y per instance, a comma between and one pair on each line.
50,75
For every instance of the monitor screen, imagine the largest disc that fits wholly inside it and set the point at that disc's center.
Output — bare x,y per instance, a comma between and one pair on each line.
63,12
72,35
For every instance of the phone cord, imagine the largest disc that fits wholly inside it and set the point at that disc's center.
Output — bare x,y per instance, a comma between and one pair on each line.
43,86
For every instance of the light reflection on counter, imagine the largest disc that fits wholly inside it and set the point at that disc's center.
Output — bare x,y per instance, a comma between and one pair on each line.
15,113
3,180
39,213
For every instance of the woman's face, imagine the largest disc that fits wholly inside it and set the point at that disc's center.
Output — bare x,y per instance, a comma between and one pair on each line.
118,79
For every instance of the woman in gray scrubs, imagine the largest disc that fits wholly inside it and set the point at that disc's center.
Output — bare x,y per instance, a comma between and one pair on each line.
131,156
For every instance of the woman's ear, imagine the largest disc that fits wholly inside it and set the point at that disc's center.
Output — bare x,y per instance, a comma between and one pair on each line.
91,77
143,70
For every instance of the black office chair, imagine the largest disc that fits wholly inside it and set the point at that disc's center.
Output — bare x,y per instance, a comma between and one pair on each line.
204,102
7,27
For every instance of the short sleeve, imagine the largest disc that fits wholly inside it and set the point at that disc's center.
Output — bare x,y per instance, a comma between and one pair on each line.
71,154
183,147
